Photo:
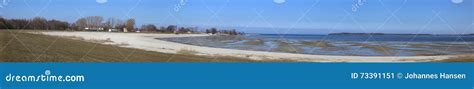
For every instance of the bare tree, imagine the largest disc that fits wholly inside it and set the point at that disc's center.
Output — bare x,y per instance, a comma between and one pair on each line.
213,30
94,21
57,25
39,23
148,28
3,23
81,23
113,23
18,24
171,29
130,24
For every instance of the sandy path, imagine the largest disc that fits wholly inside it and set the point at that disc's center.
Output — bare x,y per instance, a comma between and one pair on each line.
148,42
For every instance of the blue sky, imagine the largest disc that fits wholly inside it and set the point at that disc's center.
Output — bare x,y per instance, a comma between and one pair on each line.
266,16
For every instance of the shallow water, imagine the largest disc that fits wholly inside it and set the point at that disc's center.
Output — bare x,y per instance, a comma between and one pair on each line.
346,45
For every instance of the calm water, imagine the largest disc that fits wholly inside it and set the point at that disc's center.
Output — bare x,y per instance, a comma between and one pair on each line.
345,45
405,38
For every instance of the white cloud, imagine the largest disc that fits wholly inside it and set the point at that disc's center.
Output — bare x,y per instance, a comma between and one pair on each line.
457,1
279,1
101,1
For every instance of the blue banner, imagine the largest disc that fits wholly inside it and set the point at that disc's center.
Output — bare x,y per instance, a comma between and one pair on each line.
236,75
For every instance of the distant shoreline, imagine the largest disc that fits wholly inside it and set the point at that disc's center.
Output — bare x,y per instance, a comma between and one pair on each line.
401,34
364,34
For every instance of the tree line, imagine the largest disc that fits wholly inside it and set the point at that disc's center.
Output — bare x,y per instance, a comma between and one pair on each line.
229,32
35,23
98,23
85,23
168,29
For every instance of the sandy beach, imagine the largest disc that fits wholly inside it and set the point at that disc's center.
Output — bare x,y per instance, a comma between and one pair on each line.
147,41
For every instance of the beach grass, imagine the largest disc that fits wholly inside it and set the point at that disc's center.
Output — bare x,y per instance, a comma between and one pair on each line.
187,51
254,42
429,45
324,45
462,58
430,54
286,47
421,52
418,45
461,48
386,50
20,46
224,38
